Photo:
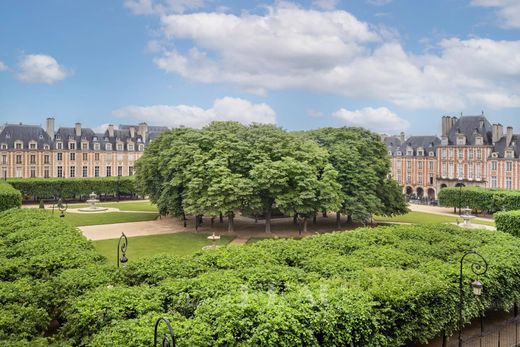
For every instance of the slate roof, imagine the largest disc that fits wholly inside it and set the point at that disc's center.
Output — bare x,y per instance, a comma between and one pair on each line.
469,125
26,133
427,143
500,146
392,143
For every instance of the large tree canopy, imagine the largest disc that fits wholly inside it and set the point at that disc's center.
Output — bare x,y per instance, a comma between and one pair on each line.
228,167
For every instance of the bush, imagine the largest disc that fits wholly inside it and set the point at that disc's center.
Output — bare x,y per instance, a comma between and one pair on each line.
508,222
9,197
369,287
480,199
46,188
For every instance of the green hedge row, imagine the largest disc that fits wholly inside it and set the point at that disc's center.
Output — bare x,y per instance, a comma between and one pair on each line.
9,197
480,198
46,188
369,287
508,222
44,263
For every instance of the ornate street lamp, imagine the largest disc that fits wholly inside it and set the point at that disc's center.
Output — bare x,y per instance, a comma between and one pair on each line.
122,245
61,206
168,339
478,268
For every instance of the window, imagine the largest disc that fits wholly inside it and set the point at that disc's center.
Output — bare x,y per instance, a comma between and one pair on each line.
471,171
493,181
85,156
509,166
4,146
32,159
72,171
46,172
470,154
4,159
120,171
32,146
130,147
96,156
18,159
461,153
509,154
72,145
18,145
430,165
108,146
46,158
59,156
409,152
96,146
420,153
85,171
451,170
444,170
109,171
450,153
509,182
432,154
33,172
478,172
444,153
141,148
409,165
96,171
59,145
60,171
19,172
72,156
478,141
420,165
46,147
130,171
84,146
493,165
461,170
431,179
119,146
479,154
461,141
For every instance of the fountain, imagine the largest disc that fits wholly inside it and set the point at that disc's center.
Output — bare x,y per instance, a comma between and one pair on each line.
93,208
213,238
467,217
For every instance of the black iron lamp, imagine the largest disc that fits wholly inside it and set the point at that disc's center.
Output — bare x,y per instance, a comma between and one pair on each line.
122,246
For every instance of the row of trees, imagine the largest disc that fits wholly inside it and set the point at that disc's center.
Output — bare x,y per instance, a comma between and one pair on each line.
228,167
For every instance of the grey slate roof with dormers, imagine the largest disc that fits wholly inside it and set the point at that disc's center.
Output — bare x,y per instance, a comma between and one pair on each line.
25,133
470,126
393,144
500,146
426,143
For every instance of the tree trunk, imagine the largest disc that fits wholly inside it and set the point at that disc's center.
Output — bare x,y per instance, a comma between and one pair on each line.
338,220
314,219
295,219
324,214
454,210
184,219
221,218
268,221
196,223
304,224
349,219
231,222
212,221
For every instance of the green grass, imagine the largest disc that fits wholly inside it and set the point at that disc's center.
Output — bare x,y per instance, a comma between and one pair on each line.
83,219
428,218
124,206
184,243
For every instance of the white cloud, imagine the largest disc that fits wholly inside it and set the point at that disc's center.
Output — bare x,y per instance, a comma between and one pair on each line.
290,47
379,2
161,7
3,67
507,10
376,119
225,109
41,68
100,129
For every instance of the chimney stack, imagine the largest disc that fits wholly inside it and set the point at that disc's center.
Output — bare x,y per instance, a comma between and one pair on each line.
402,137
77,129
132,132
143,131
509,137
497,133
50,127
111,130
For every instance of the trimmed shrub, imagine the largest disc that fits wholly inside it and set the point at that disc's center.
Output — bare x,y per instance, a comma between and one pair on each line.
46,188
9,197
482,199
508,222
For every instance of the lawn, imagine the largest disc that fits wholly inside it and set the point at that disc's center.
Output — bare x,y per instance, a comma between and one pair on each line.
82,219
124,206
427,218
184,243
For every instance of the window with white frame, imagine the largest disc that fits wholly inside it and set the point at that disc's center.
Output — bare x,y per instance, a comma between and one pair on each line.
451,170
493,181
108,146
72,145
509,166
494,165
509,182
96,146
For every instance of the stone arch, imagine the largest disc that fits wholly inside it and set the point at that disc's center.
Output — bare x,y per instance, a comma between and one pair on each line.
431,193
420,192
409,190
443,186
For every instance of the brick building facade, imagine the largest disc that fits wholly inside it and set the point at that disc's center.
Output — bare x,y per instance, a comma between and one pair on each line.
470,152
31,151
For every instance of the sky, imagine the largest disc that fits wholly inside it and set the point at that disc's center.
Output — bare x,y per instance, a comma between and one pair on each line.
387,65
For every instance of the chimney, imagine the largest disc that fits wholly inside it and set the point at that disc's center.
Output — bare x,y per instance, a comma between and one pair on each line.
77,129
111,130
402,137
132,132
509,137
50,127
497,133
143,131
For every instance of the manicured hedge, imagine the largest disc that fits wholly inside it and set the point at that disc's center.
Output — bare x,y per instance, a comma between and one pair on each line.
480,199
46,188
369,287
38,252
9,197
508,222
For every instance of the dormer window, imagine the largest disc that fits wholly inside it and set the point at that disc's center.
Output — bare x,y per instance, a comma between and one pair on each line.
59,145
494,155
94,138
478,141
119,146
420,152
46,147
130,147
84,146
96,146
409,152
399,153
105,138
40,137
141,148
32,145
390,153
461,140
58,137
18,145
108,146
509,154
72,145
432,154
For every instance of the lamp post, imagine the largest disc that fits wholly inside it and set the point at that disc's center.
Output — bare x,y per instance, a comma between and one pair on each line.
61,207
168,339
122,245
478,269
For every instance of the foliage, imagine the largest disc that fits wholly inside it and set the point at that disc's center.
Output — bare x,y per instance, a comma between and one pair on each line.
36,252
482,199
369,287
9,196
508,222
46,188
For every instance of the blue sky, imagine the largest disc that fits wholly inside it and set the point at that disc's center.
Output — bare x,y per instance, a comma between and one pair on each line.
386,65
